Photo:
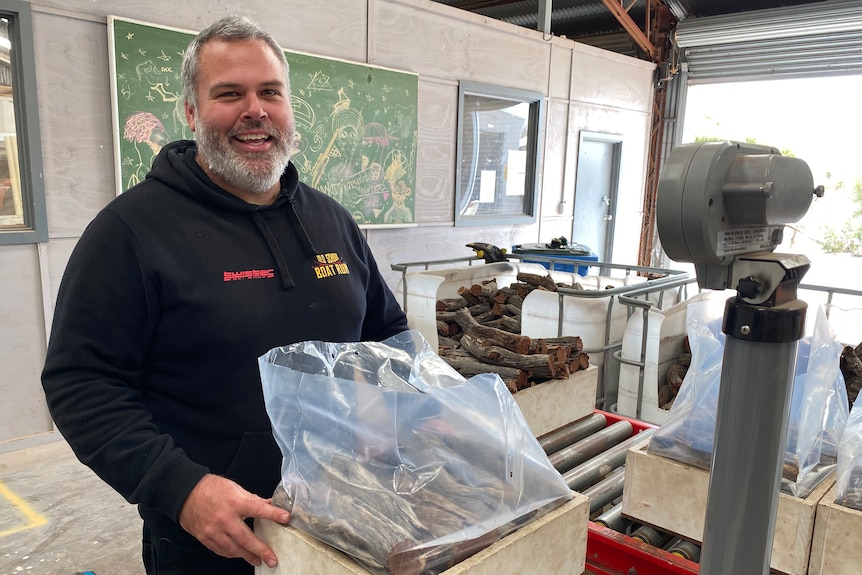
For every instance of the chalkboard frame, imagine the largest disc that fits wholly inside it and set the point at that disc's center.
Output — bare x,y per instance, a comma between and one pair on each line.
356,123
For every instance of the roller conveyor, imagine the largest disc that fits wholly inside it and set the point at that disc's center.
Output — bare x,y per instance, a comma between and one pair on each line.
616,545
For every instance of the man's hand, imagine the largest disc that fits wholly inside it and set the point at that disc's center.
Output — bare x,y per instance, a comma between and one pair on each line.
214,513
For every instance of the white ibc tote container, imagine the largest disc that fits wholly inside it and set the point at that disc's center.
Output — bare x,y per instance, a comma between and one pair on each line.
664,344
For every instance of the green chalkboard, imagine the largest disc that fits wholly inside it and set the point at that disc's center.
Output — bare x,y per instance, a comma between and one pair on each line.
356,124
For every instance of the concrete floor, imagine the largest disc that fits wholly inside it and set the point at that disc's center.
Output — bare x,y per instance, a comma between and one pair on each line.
58,518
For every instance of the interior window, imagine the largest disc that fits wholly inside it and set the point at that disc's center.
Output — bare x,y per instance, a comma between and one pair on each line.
22,198
499,137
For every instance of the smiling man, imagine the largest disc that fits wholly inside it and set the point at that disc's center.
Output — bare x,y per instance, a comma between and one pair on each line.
242,121
179,285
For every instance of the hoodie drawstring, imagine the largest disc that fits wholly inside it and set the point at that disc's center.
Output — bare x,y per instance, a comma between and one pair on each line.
298,228
286,279
309,248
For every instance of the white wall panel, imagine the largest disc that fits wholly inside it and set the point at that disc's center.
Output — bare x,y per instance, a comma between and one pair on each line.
560,69
22,351
609,79
556,142
336,28
439,41
435,164
75,114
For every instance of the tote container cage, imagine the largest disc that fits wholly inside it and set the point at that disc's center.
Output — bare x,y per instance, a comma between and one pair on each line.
644,361
591,312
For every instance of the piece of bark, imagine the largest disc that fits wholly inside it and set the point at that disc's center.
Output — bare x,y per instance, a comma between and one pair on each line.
576,343
522,289
502,309
515,300
480,308
469,365
849,362
446,316
489,288
583,360
512,324
675,375
538,365
510,341
546,281
559,353
485,317
451,304
465,293
538,346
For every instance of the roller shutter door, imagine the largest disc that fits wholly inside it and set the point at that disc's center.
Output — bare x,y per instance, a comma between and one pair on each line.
805,41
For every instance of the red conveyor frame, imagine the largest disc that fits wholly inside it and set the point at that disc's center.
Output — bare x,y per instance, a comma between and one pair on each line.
612,553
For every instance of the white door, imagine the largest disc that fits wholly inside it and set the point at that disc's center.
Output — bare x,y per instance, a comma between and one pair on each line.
596,192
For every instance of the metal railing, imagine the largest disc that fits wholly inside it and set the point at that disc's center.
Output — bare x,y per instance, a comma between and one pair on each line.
634,304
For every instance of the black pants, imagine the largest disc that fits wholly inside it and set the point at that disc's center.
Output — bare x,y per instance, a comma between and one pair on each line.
164,557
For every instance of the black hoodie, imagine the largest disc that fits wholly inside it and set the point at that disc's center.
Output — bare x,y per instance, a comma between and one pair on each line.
170,296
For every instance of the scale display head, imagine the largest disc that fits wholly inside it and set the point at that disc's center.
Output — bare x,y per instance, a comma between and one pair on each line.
717,201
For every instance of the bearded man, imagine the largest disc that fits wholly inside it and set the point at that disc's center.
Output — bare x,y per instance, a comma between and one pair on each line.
179,285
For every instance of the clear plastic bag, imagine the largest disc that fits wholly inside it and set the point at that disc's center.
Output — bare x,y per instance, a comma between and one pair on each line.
849,474
394,458
818,407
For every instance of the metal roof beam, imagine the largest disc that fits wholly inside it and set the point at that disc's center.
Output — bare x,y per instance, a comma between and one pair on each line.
622,16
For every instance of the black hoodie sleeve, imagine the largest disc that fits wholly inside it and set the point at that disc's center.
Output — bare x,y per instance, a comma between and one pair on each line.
93,377
385,317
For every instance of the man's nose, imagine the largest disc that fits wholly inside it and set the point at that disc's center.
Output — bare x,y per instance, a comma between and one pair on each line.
254,109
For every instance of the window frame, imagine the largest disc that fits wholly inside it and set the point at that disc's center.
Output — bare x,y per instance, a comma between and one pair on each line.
25,104
534,146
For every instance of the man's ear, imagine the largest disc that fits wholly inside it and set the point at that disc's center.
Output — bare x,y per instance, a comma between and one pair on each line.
190,115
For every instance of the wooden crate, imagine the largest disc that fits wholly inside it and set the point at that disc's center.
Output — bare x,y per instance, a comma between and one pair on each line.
835,548
558,402
554,544
671,496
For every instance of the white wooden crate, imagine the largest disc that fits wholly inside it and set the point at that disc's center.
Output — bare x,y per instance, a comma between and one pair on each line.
558,402
672,496
554,544
835,548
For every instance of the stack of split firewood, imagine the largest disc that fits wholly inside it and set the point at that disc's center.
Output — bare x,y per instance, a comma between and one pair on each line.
850,364
480,333
669,388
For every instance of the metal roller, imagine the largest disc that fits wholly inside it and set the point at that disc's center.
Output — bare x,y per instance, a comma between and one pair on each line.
606,490
573,432
601,465
685,549
613,519
575,454
651,536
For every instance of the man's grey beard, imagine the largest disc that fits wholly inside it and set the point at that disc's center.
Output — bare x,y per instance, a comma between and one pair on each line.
237,169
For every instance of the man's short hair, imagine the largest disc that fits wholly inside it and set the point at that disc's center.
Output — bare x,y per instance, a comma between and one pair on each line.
231,28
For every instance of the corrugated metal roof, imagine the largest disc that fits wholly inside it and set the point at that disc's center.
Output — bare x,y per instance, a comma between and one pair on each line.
582,19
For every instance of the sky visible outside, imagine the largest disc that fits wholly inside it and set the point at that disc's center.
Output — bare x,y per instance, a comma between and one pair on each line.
819,120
